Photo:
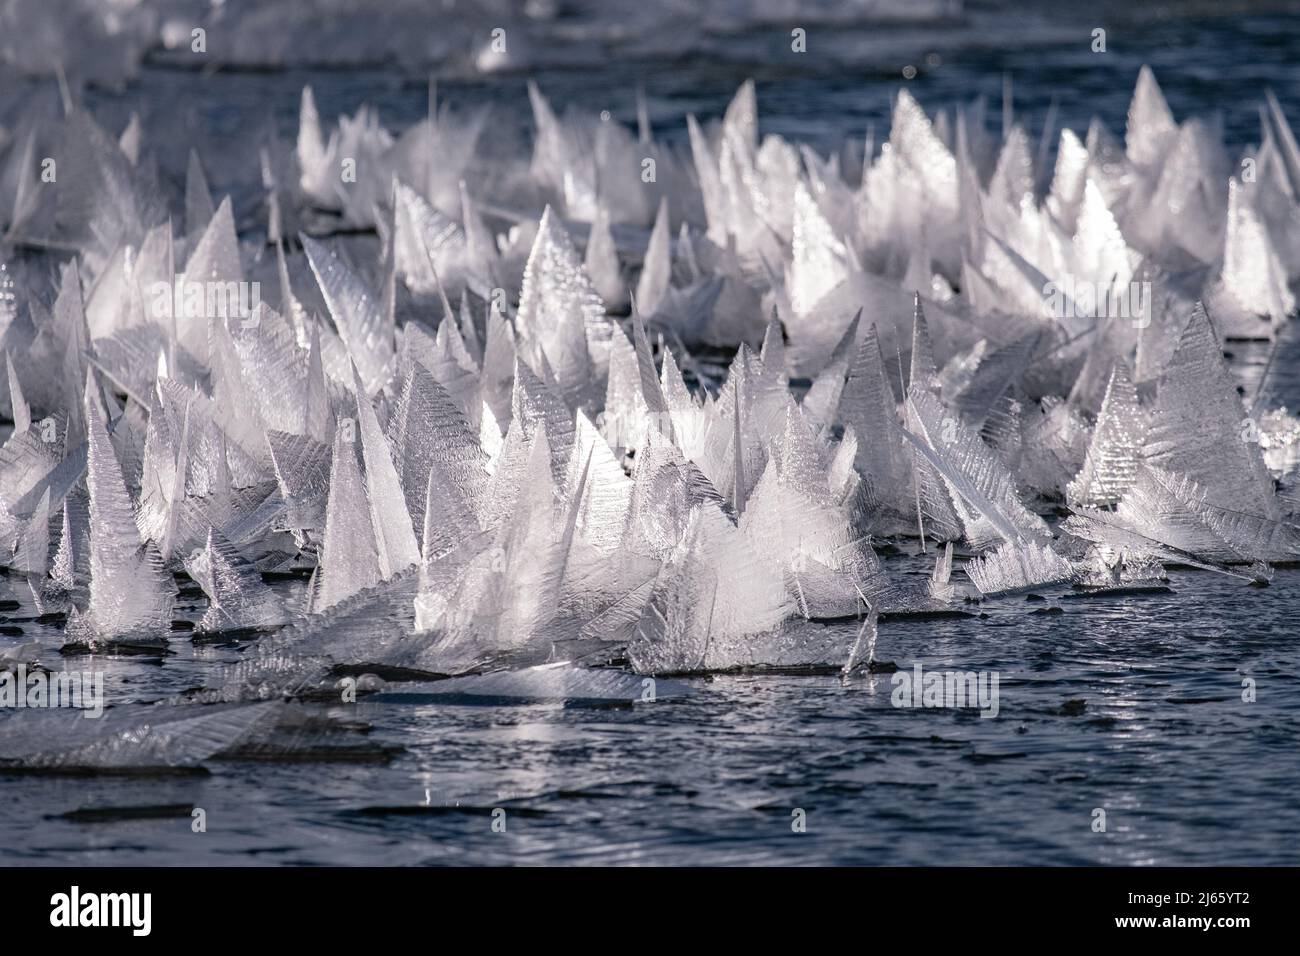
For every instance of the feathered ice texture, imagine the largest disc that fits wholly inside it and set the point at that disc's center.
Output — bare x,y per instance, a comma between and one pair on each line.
1116,446
982,491
1013,568
394,534
561,320
358,315
867,406
237,597
1197,427
130,594
349,560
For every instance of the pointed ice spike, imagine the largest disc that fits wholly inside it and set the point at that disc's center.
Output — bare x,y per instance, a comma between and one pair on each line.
773,351
176,494
923,369
625,415
70,322
823,399
562,318
605,498
498,375
866,638
429,248
313,160
651,390
238,598
653,284
1116,446
449,519
318,419
22,413
215,258
941,588
1151,125
980,484
867,405
198,200
740,121
1252,271
361,323
427,428
480,247
394,533
737,454
535,407
130,594
1289,148
819,260
1196,426
32,550
349,560
601,263
468,332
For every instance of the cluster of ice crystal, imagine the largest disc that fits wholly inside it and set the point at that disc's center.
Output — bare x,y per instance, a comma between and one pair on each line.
486,464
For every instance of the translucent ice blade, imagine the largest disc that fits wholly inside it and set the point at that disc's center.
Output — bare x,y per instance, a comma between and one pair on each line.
32,549
1100,252
276,372
1116,446
136,737
534,407
237,596
361,323
447,359
653,284
1151,125
215,259
426,428
1253,273
130,594
822,402
979,482
1196,426
430,247
198,200
394,532
867,405
302,470
349,560
625,416
605,499
1066,191
819,260
562,318
21,411
129,358
602,265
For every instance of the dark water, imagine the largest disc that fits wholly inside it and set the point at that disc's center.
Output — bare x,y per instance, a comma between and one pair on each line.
1187,772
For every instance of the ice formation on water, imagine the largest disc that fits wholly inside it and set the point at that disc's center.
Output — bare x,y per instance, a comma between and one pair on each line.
123,739
497,436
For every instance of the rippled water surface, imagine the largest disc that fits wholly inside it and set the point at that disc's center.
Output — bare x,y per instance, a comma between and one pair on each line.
1129,704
